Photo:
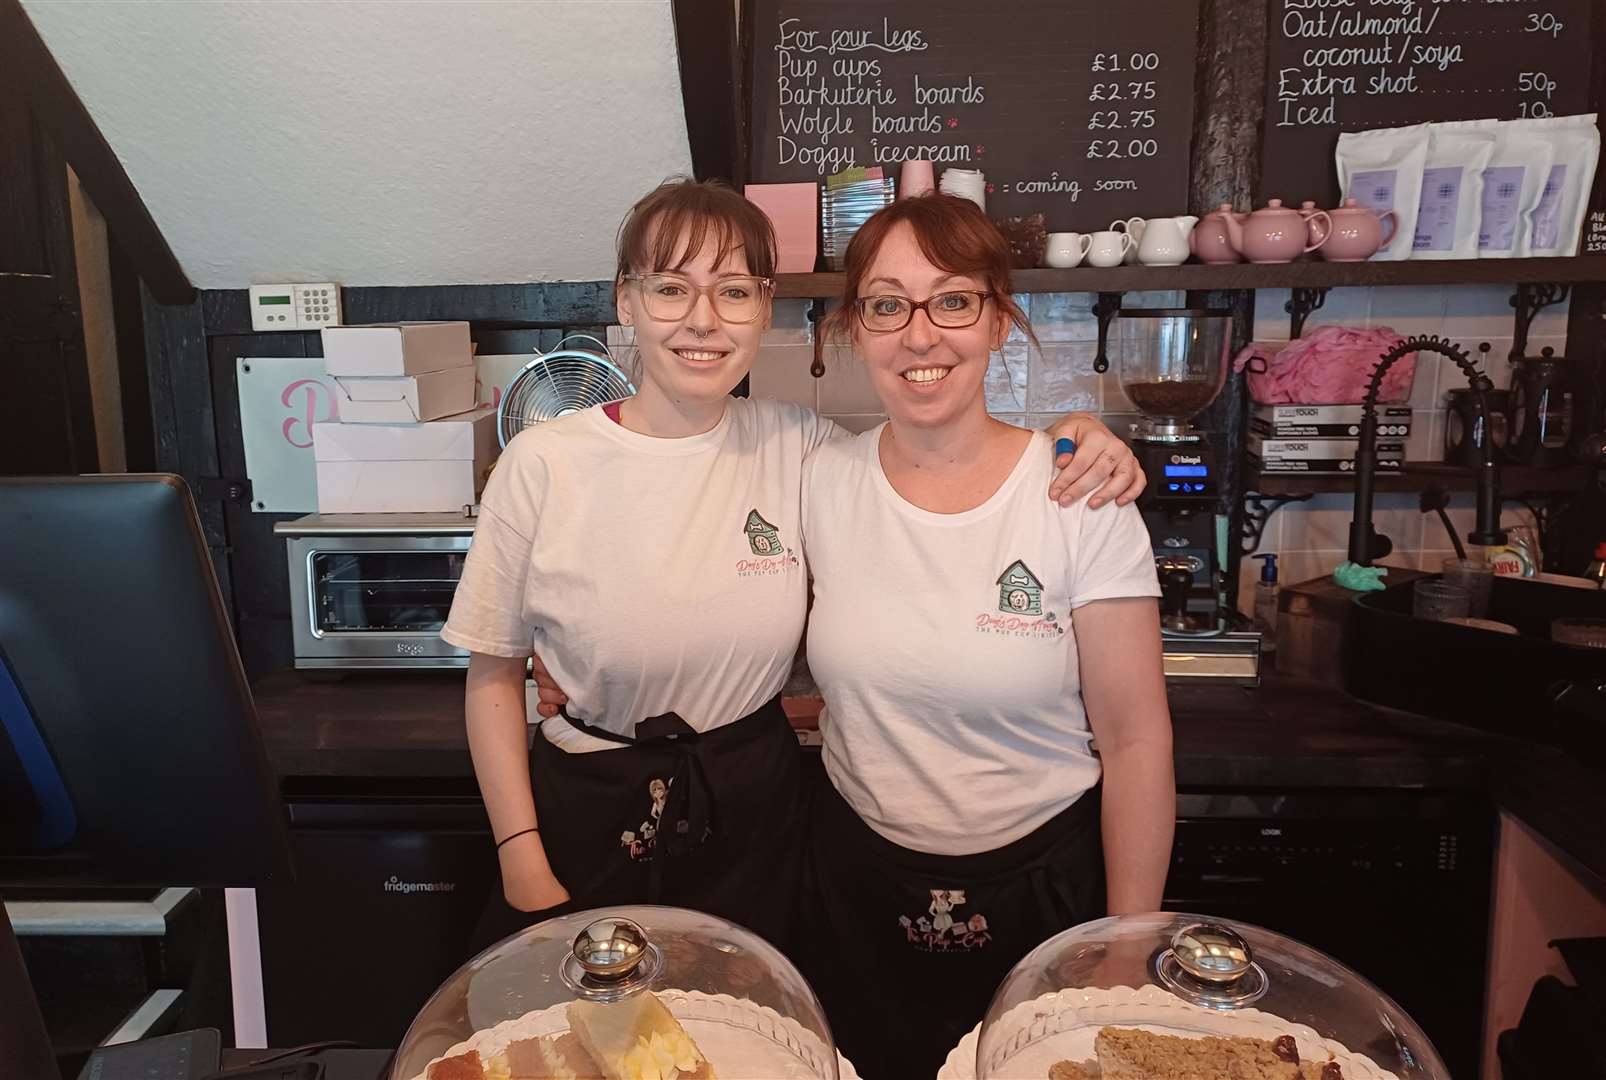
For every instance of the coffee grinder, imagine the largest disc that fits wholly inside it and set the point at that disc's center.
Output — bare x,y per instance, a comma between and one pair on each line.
1173,363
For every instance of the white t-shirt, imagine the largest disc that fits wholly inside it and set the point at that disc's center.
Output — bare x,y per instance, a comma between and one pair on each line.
943,645
651,575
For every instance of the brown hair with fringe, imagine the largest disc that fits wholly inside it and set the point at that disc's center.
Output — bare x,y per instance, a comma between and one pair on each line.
953,233
672,224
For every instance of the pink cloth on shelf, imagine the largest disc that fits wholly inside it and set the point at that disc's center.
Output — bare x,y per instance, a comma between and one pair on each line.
1331,365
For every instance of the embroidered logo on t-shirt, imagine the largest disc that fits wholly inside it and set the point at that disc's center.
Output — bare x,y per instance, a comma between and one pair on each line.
1020,598
1019,591
764,539
941,930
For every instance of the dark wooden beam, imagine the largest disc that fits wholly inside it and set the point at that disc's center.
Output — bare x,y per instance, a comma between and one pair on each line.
1229,103
62,114
536,305
710,66
183,415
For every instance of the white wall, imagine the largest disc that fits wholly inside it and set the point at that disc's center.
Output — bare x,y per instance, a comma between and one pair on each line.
381,143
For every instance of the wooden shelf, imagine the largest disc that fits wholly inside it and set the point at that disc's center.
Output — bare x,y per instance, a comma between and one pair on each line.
1307,274
1515,480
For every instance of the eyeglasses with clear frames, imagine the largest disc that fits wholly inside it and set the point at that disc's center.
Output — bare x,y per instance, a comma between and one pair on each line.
738,298
948,310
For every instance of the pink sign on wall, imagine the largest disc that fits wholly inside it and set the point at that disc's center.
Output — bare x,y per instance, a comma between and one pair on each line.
281,397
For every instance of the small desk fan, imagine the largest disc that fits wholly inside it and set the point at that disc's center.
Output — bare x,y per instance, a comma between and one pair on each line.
558,383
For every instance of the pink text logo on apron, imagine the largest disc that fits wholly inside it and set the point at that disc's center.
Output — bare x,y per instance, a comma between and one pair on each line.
641,841
940,929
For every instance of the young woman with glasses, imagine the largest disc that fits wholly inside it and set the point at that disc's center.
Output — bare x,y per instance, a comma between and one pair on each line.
650,552
971,641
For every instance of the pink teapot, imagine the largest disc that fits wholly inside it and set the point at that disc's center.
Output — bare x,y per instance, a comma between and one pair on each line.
1210,241
1276,234
1355,232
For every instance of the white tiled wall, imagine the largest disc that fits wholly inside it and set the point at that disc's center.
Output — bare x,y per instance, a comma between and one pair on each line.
1024,385
1032,387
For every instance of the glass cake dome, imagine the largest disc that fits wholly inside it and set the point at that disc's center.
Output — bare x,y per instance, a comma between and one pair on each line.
1189,996
648,993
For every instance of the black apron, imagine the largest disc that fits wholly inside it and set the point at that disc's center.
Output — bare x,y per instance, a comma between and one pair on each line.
705,820
906,948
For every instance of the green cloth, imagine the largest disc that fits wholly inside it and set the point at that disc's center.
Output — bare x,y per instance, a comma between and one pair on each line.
1358,578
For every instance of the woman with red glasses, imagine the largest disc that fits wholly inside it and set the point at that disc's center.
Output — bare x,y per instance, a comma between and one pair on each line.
995,715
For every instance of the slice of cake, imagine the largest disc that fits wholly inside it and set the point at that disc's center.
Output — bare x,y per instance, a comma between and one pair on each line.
464,1066
638,1039
1074,1070
550,1057
1134,1054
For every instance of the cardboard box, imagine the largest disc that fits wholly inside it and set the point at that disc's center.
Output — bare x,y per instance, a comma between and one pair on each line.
404,399
1386,463
1307,449
436,466
1326,421
407,348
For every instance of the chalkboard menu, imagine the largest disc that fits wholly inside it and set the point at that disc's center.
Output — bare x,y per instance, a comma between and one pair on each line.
1081,109
1352,65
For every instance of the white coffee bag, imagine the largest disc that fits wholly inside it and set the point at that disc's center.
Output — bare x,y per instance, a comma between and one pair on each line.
1512,183
1557,219
1382,170
1448,217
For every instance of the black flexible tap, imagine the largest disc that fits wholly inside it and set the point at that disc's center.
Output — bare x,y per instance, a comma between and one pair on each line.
1363,540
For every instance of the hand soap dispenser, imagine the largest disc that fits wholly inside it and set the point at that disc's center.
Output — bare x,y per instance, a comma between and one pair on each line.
1266,604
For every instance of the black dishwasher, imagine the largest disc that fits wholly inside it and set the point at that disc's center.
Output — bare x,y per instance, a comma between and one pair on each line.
391,878
1394,884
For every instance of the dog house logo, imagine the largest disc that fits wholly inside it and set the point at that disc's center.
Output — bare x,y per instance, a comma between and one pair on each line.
1019,591
762,537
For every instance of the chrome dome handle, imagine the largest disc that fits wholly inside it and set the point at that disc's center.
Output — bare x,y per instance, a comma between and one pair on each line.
1212,954
1211,965
610,959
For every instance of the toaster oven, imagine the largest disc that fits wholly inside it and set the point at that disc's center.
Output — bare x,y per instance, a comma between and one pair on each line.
373,590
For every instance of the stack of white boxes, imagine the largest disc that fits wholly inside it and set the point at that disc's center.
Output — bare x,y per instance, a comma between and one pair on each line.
409,438
1322,439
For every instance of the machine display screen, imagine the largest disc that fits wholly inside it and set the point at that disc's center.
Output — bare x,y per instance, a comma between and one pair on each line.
1187,470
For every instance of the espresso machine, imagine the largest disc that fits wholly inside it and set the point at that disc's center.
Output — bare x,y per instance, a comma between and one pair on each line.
1173,363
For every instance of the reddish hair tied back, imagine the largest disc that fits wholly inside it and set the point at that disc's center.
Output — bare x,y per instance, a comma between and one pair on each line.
953,233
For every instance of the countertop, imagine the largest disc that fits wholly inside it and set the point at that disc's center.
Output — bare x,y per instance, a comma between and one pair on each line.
1286,733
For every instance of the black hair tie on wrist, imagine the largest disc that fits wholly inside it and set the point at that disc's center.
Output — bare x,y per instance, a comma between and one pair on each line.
515,836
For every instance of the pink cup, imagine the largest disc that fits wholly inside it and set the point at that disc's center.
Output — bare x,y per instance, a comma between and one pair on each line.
916,179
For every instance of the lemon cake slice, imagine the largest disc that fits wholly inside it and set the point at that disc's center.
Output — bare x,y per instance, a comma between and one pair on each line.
638,1039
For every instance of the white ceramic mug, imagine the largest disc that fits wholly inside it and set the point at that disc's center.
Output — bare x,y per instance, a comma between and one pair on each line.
1066,249
1133,227
1108,248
